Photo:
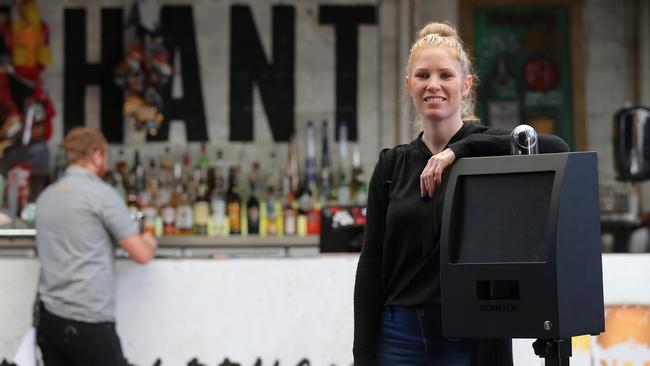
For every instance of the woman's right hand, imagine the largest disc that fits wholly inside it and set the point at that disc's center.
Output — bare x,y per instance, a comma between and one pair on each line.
431,175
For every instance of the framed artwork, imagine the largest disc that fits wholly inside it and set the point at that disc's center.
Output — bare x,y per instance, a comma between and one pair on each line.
529,63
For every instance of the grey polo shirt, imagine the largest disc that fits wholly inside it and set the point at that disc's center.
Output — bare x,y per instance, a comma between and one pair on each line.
78,220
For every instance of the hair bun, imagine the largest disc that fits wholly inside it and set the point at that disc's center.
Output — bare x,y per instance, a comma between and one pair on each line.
441,29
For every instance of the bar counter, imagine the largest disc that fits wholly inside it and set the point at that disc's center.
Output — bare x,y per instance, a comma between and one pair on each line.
20,243
252,300
259,311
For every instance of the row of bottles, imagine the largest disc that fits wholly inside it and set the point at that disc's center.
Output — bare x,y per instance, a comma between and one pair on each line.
209,197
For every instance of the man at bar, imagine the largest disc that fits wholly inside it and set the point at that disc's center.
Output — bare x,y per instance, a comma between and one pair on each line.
78,219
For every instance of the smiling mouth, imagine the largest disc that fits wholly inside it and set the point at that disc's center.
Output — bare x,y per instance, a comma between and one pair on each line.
434,99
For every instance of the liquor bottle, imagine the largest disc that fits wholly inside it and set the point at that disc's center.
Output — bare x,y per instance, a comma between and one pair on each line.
310,160
152,175
503,97
147,198
218,198
356,176
184,219
167,167
175,190
343,191
138,174
168,215
166,179
149,214
278,211
216,172
290,215
121,171
182,209
190,177
131,191
270,215
233,202
308,220
194,183
305,204
343,183
218,205
314,219
201,209
325,191
203,161
292,172
130,184
253,203
177,174
309,187
133,201
120,165
166,160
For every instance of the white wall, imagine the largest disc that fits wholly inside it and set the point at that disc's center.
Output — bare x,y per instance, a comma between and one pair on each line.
610,72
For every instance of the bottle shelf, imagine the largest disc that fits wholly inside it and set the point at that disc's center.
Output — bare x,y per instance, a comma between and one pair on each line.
240,241
24,238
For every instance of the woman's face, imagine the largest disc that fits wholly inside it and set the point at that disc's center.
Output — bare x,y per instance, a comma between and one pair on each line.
437,84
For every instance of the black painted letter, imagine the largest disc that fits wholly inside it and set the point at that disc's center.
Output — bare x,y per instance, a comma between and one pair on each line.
346,20
178,29
275,80
78,73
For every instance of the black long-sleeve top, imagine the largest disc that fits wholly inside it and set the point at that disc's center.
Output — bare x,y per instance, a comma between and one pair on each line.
399,263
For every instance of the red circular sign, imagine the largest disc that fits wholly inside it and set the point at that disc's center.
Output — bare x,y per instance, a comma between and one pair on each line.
540,74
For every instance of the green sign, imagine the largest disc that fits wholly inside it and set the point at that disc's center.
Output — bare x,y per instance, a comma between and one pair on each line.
524,68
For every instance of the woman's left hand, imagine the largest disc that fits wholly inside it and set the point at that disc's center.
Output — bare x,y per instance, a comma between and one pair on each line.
431,176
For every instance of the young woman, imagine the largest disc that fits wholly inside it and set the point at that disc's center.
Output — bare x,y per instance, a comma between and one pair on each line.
397,290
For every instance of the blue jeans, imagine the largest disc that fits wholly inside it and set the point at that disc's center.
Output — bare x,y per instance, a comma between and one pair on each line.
413,337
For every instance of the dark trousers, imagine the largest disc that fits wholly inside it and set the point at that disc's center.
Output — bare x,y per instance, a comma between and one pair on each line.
413,337
74,343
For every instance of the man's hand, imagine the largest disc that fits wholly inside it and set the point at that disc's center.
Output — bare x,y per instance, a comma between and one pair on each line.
148,238
141,247
431,176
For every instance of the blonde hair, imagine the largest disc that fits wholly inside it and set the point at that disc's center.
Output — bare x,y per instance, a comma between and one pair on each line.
444,35
81,142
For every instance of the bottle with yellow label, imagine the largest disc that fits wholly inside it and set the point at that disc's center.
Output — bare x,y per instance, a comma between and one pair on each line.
233,202
201,205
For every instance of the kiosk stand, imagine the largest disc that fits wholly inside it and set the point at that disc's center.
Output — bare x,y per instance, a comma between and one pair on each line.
520,252
554,352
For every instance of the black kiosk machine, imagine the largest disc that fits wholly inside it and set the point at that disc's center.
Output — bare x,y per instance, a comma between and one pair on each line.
520,251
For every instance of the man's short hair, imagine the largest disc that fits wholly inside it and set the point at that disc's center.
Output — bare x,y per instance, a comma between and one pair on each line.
81,142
